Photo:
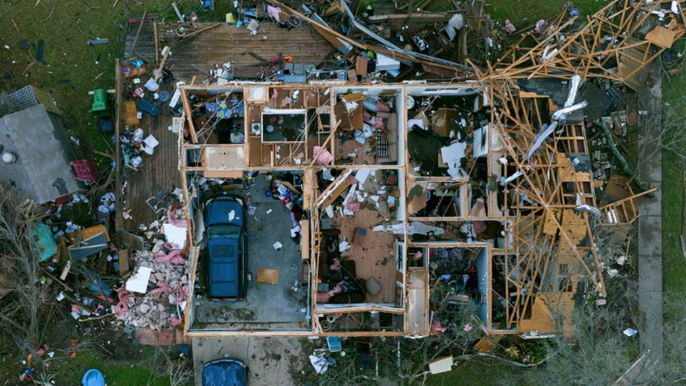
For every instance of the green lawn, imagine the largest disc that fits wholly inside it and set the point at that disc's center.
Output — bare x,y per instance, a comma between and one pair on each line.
480,371
524,13
672,199
70,68
123,372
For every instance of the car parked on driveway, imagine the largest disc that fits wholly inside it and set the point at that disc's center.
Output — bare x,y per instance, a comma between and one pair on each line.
225,372
226,247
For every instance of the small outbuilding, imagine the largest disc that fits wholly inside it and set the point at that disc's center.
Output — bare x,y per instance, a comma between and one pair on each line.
36,155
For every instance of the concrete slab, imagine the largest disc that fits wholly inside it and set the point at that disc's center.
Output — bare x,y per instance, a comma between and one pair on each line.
265,303
650,235
651,204
269,359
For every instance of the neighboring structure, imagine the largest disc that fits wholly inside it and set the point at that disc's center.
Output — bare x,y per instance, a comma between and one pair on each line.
35,150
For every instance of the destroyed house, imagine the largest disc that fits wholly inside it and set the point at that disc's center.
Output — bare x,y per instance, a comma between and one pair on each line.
398,188
368,201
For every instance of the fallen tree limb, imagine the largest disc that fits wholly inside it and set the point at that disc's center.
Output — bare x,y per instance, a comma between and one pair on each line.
622,161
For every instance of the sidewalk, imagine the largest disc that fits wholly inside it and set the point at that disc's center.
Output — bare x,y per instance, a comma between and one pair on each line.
650,235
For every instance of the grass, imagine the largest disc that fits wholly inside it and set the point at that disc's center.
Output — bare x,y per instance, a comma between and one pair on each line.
674,269
524,13
121,373
70,371
481,371
70,68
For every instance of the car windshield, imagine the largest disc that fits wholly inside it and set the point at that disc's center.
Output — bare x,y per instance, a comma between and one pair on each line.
224,231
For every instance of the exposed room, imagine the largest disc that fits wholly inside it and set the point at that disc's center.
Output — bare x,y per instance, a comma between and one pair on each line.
360,251
372,321
443,124
217,115
460,200
288,126
458,273
370,126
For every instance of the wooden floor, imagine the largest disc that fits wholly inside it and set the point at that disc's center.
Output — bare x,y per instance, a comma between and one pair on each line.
159,170
226,43
371,253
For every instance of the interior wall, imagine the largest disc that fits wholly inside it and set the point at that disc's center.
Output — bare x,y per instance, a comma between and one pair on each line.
400,100
400,212
215,91
484,284
453,90
191,306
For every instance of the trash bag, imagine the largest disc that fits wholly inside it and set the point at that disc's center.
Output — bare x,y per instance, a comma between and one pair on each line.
93,378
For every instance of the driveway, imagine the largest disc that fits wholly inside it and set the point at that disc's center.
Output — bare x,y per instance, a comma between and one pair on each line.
269,359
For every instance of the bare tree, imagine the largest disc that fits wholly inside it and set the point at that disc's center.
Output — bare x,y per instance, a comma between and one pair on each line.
674,369
665,131
26,307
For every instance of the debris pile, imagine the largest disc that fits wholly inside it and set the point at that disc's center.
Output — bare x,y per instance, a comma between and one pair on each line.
166,271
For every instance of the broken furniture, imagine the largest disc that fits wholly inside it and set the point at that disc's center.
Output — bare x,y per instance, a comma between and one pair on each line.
387,141
148,107
85,170
161,201
88,242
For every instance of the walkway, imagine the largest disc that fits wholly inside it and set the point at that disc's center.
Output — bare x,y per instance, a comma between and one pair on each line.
650,228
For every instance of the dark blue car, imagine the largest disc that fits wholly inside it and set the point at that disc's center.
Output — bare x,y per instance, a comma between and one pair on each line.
225,372
224,217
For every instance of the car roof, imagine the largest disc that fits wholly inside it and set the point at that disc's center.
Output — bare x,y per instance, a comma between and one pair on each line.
223,372
223,210
223,267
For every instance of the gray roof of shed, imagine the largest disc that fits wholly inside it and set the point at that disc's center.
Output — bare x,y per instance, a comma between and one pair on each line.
42,170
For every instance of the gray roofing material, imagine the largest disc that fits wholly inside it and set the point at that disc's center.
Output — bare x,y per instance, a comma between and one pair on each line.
42,170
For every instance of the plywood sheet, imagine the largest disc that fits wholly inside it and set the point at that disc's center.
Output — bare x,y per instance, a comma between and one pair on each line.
442,365
661,37
305,239
541,318
568,174
223,157
574,225
417,196
223,173
270,276
549,227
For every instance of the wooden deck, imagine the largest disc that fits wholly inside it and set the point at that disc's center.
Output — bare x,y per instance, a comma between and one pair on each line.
158,171
225,43
215,46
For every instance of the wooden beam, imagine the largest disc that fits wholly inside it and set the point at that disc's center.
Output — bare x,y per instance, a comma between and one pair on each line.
189,115
118,217
157,42
140,26
166,51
